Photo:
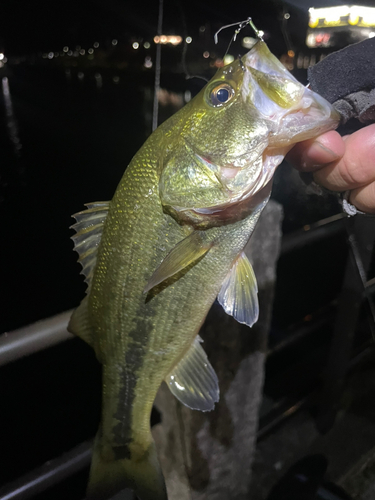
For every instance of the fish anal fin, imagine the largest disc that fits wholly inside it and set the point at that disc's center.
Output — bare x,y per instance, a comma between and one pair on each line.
79,323
181,256
193,380
89,227
239,292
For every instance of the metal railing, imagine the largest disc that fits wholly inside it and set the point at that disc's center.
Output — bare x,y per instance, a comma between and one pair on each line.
34,338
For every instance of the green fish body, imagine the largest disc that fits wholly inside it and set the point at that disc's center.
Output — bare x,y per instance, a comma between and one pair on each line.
170,242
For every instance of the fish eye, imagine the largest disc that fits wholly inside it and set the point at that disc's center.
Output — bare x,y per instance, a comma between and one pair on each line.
221,94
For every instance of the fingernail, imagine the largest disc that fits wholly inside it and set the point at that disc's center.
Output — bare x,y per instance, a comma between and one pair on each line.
317,147
317,156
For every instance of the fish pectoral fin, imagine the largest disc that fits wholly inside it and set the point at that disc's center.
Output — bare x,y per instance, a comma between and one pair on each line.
239,292
182,255
79,323
193,380
89,228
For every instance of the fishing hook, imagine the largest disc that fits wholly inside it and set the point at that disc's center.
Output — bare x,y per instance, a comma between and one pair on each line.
241,25
243,67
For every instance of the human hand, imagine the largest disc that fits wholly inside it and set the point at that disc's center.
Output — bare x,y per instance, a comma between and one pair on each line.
341,164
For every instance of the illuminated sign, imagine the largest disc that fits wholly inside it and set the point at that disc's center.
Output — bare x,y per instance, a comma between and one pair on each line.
342,15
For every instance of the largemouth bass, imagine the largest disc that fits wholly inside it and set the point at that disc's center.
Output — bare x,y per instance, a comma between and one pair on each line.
170,242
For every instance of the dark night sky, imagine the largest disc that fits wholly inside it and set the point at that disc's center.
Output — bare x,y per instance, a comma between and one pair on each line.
27,27
42,25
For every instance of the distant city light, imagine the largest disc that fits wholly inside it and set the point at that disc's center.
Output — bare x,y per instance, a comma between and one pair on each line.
81,76
66,48
90,51
206,54
56,54
116,79
202,29
291,53
70,53
148,62
96,45
260,33
187,96
1,56
173,39
188,39
286,15
228,58
318,39
135,45
50,55
78,48
44,56
114,42
146,45
82,52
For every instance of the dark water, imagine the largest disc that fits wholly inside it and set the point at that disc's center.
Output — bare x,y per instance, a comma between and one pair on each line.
76,142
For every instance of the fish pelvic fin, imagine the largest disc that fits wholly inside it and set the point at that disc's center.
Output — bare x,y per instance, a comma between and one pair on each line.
186,252
239,292
110,476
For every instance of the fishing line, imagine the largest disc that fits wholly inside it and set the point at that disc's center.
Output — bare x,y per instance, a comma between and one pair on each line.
284,30
241,25
188,76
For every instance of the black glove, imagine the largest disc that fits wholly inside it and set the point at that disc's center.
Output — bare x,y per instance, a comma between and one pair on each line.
346,78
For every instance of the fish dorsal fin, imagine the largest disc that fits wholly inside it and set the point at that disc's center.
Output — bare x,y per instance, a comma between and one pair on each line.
193,380
182,255
89,228
239,292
